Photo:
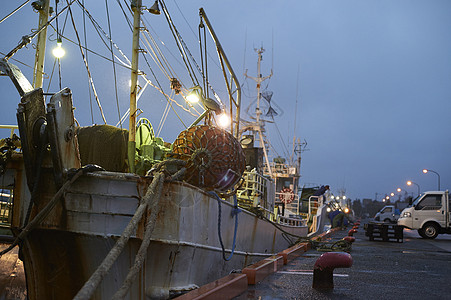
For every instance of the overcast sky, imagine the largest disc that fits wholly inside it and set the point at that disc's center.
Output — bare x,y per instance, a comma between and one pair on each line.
373,92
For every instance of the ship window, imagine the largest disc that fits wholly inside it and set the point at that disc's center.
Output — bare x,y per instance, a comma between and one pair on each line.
430,202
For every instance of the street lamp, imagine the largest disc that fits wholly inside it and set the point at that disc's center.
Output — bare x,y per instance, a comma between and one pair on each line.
411,182
427,170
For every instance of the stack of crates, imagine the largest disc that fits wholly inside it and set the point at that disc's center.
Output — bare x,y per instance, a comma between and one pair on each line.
384,232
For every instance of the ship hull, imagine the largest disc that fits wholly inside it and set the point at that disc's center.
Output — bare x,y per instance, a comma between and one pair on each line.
185,250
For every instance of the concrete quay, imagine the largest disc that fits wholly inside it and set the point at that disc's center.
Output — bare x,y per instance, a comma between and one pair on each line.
413,269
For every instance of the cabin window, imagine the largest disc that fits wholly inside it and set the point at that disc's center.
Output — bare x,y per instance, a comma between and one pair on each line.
387,210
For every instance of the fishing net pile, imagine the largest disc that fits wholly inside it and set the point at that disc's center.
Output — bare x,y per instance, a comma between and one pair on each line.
103,145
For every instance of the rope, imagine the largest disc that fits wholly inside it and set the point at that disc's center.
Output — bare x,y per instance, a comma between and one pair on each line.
141,255
152,198
45,211
340,246
90,286
42,150
235,212
260,215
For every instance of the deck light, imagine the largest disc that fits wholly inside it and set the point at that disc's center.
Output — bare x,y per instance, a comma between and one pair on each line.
58,51
154,9
195,95
223,120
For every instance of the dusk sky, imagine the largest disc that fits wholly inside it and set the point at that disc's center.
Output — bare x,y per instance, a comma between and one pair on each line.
372,99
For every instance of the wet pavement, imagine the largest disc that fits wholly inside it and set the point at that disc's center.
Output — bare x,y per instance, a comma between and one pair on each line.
12,276
414,269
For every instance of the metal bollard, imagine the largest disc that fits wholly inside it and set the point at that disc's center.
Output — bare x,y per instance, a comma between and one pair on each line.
351,232
323,271
350,239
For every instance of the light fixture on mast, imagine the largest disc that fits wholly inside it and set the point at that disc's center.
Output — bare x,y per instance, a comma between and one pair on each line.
58,51
154,9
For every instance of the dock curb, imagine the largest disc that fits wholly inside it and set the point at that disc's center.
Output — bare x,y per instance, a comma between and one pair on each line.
224,288
235,284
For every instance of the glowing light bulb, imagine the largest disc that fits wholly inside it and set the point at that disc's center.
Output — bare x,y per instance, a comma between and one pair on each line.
58,51
224,120
192,97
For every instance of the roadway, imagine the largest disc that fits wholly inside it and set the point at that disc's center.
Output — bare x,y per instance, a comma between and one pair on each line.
414,269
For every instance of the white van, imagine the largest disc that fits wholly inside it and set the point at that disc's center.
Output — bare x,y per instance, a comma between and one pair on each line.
388,214
429,214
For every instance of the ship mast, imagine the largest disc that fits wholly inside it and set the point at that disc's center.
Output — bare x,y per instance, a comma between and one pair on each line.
136,7
258,125
40,47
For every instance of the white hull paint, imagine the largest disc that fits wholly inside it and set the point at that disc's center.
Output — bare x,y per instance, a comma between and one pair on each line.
184,253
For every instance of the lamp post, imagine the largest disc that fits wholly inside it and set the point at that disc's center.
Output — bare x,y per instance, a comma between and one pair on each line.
411,182
428,170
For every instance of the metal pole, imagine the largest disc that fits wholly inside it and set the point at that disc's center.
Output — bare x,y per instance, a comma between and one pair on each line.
437,175
136,7
229,66
40,48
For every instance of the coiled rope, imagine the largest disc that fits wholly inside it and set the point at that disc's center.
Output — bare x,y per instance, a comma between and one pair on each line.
338,246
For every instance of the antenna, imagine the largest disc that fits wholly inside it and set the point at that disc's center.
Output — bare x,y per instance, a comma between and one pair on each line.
272,49
295,115
244,54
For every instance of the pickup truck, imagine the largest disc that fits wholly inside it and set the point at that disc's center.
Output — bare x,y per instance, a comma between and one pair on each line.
388,214
429,214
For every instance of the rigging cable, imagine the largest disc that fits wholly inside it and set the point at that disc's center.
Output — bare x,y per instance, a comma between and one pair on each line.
114,66
285,149
86,65
14,11
86,45
57,40
163,119
185,48
177,38
189,26
159,85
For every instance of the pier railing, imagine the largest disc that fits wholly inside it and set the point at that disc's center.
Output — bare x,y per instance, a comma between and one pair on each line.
254,193
10,127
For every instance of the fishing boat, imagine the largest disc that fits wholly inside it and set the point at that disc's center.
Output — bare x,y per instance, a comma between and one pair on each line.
100,212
